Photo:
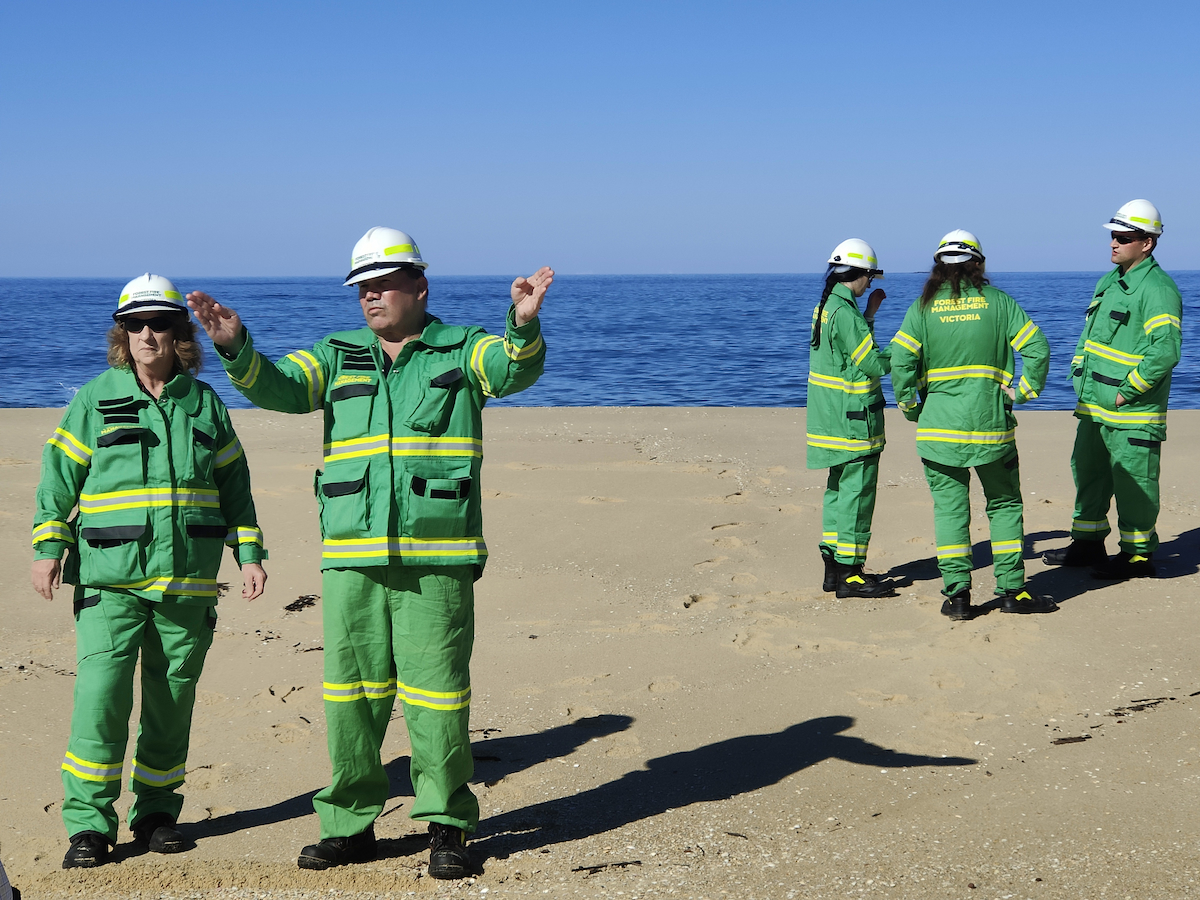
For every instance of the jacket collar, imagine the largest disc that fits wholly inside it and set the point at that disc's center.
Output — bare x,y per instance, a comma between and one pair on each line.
1131,280
435,334
841,291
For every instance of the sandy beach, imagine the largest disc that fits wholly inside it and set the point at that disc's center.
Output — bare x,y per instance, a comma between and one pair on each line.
665,703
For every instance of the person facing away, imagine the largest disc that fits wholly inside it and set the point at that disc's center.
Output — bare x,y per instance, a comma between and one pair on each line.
150,458
953,374
1132,339
402,530
845,417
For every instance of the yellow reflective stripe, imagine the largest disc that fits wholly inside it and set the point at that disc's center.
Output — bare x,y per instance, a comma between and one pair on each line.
228,454
911,404
848,549
383,547
951,373
477,362
907,341
841,384
953,551
148,497
244,534
1136,379
1076,360
359,690
252,373
515,352
443,700
1027,390
195,587
1090,526
72,446
1160,321
832,442
1117,417
1102,350
356,447
399,248
1023,336
1007,547
157,777
91,771
1134,537
829,536
860,352
439,446
313,372
949,435
52,531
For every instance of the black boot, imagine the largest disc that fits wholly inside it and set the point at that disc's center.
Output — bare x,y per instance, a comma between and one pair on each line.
1021,601
88,850
448,856
339,851
852,581
958,605
1077,554
1125,565
157,832
829,585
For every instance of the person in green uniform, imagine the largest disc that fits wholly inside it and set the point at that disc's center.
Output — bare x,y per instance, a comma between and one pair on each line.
953,373
1132,338
402,530
150,458
845,417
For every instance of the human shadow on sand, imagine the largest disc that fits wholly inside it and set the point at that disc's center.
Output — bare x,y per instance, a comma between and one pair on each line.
496,758
716,771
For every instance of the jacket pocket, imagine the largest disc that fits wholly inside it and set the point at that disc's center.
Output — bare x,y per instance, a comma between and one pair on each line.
203,452
1108,325
437,507
93,634
206,531
350,401
113,551
344,498
432,413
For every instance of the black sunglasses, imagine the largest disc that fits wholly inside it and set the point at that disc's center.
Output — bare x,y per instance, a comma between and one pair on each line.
1128,237
158,324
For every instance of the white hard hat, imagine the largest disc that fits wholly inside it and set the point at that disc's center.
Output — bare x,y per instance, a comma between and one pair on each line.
381,251
149,293
854,254
1136,215
957,247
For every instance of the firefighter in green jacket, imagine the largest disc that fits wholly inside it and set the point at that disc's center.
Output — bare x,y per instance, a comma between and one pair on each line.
150,458
845,417
1132,338
953,373
402,529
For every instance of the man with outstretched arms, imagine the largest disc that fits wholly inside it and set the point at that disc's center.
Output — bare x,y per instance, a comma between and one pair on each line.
402,529
1132,338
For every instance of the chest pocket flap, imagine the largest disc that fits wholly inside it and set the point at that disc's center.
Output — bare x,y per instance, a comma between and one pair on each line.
433,411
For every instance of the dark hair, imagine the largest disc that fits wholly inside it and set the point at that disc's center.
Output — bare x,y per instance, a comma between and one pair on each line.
955,275
188,355
832,278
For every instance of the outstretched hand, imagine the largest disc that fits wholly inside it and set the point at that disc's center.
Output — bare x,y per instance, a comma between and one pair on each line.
528,294
221,323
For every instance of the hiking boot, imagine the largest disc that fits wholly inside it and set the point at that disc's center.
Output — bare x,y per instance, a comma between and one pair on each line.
829,585
448,856
88,850
1077,554
958,605
1125,565
852,581
1021,601
157,832
339,851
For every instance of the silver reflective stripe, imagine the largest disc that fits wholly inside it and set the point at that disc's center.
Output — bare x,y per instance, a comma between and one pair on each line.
91,771
158,777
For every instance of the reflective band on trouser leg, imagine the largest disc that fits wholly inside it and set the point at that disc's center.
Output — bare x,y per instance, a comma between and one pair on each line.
433,629
950,487
851,489
1135,473
359,691
1092,471
176,643
1001,482
108,632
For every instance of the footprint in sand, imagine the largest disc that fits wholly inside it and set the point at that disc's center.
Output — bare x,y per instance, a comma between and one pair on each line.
706,564
744,578
727,542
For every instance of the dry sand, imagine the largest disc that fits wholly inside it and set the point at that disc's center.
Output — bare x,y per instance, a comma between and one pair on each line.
665,704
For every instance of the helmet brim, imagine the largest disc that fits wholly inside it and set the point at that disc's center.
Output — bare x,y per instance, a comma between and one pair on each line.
1122,227
148,306
379,269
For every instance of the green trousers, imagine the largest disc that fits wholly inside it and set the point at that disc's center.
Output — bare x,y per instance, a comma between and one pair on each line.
111,627
402,631
951,489
1120,462
848,509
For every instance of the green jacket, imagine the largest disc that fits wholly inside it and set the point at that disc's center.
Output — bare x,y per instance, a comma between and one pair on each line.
950,361
1131,340
845,400
161,485
403,439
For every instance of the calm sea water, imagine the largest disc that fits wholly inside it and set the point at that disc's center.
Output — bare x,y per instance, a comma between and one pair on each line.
617,340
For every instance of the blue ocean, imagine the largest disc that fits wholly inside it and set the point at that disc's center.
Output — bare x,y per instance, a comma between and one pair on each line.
613,340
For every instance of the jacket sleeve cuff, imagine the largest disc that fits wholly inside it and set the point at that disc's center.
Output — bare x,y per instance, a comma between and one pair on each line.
522,341
50,549
237,362
250,553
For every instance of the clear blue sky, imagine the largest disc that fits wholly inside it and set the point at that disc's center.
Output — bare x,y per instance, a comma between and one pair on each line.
263,138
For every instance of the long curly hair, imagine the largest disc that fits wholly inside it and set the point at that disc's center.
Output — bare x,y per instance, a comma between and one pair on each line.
189,356
956,275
